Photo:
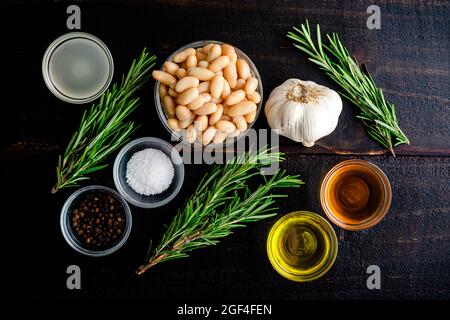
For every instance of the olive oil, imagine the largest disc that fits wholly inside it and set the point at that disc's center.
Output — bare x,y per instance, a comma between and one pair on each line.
355,194
302,246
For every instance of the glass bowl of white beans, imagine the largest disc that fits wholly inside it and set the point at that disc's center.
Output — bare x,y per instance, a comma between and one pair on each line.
208,93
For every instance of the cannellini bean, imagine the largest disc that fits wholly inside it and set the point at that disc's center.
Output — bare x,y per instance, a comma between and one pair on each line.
240,84
179,57
214,52
191,61
203,86
219,63
215,117
230,74
203,64
200,73
235,133
169,105
181,73
172,93
240,123
207,47
228,50
235,97
206,109
173,124
197,103
250,117
186,83
170,67
255,97
183,124
200,55
251,85
217,100
165,78
201,123
208,135
206,97
219,137
191,134
219,73
225,126
243,69
189,51
163,90
226,117
233,58
226,90
242,108
183,113
187,96
216,87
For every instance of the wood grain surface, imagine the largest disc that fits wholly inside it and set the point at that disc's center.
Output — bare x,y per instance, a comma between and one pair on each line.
409,59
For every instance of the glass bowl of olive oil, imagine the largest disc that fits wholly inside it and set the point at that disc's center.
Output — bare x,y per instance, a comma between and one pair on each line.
302,246
355,194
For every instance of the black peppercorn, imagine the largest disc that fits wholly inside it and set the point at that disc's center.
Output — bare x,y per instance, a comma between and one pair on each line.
97,220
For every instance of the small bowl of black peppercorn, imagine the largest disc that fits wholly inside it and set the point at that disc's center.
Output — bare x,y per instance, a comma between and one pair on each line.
96,221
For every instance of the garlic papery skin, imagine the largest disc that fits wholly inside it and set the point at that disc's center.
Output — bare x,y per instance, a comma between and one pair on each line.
303,111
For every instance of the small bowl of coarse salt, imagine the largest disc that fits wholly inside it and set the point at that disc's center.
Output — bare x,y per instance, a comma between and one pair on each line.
148,172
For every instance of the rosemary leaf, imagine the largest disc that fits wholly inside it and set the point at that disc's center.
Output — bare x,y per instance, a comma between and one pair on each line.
377,114
103,128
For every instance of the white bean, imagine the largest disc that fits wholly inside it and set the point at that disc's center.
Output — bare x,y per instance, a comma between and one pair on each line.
242,108
251,85
186,83
179,57
240,84
203,86
219,137
170,67
225,126
191,61
164,77
169,105
206,109
230,74
250,117
216,87
240,123
215,117
214,52
201,123
173,124
235,97
226,90
219,63
203,64
255,97
183,113
187,96
191,134
208,135
243,69
200,73
181,73
172,93
163,90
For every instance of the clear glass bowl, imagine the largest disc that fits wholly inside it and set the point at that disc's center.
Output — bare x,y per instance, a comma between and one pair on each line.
120,169
65,222
253,70
385,197
323,234
65,46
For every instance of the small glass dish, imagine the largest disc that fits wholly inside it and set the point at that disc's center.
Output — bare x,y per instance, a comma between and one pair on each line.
77,67
302,246
163,117
120,169
366,198
69,234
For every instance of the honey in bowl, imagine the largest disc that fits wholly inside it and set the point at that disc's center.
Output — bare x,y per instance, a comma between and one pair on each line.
355,194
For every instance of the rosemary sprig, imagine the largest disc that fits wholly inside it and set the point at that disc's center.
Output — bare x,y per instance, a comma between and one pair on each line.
103,127
376,113
221,203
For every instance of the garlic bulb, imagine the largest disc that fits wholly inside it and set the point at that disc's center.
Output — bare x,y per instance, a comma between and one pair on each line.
303,111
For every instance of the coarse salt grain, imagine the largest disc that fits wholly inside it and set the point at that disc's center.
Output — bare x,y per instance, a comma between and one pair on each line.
149,172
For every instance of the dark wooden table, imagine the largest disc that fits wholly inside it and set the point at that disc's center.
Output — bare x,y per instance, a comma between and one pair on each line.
408,57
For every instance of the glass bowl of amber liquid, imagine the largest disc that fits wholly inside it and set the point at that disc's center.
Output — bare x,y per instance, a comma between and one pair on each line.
302,246
355,194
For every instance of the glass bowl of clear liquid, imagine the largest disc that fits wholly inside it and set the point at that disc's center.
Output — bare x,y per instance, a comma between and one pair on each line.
77,67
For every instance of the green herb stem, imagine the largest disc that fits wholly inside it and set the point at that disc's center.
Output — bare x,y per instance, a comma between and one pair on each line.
103,128
222,202
376,113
